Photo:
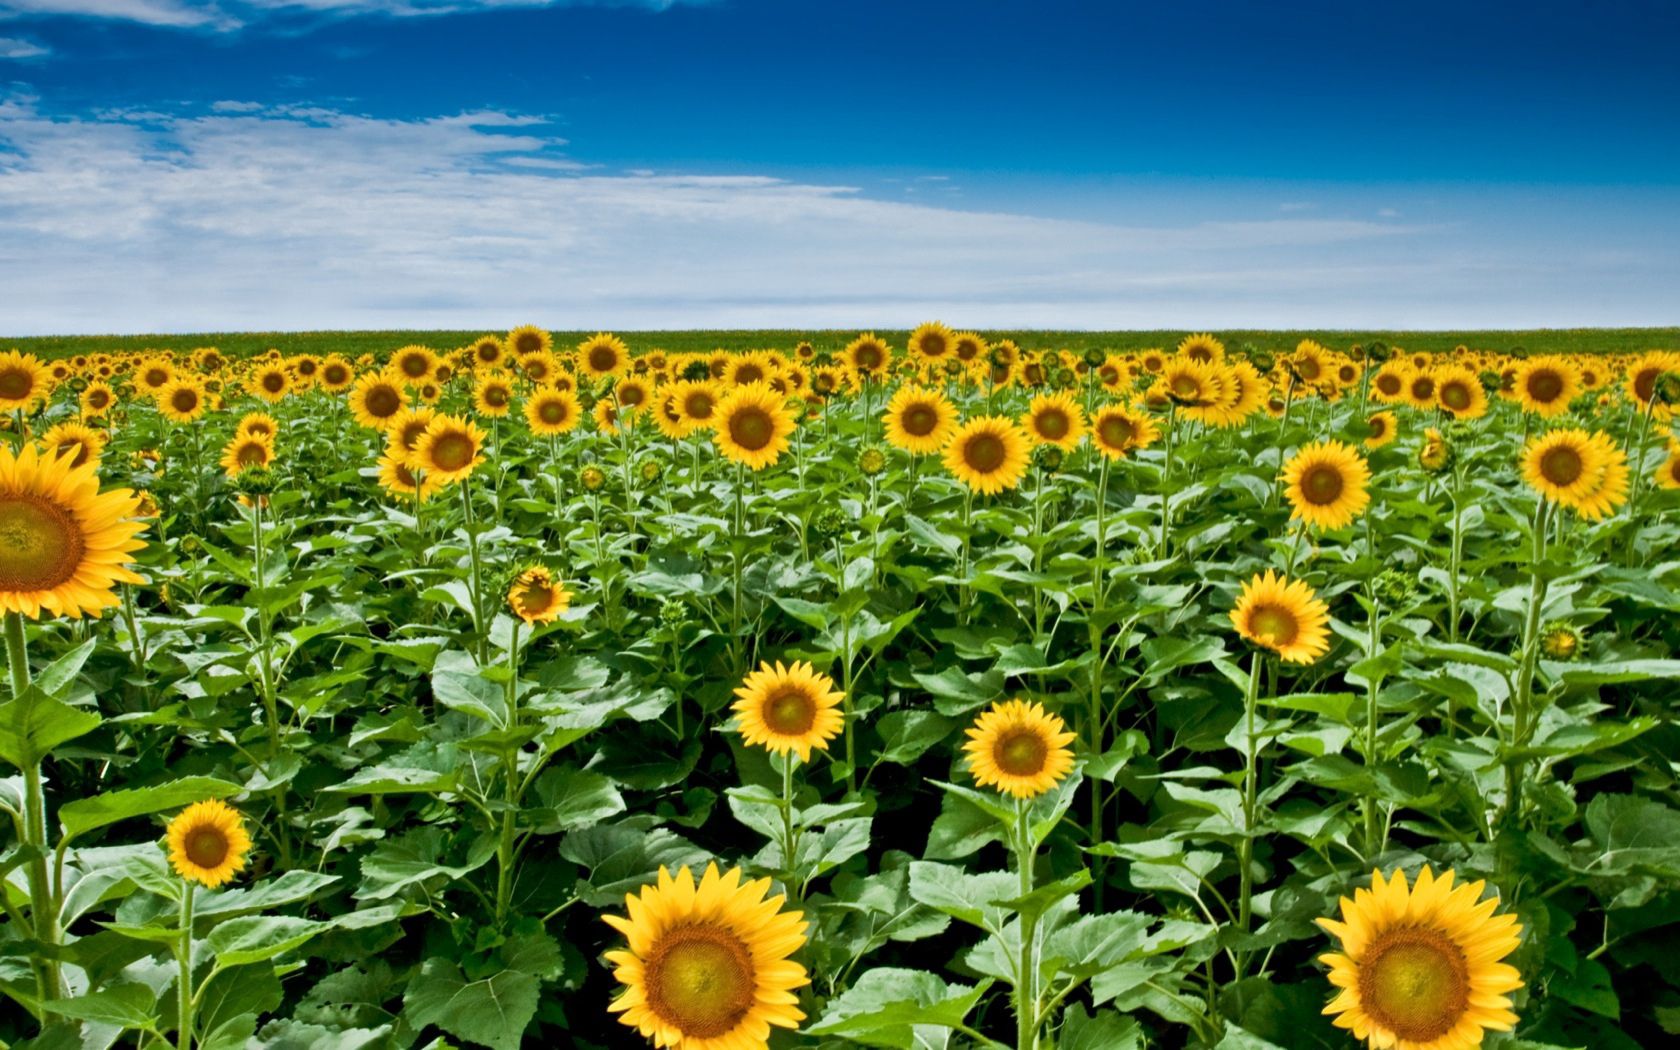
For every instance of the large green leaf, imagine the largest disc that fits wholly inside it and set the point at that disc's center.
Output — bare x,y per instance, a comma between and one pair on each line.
33,724
492,1012
83,815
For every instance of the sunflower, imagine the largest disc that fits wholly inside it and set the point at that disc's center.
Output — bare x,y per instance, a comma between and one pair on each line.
97,399
1419,391
631,393
1545,385
402,432
1389,383
1435,452
751,425
535,597
208,843
550,411
1116,430
1563,466
1459,393
336,374
605,415
376,399
988,454
1420,967
397,477
749,368
1244,391
1327,482
257,424
1019,748
487,351
793,708
694,401
23,380
493,395
932,341
1190,383
919,420
1609,490
1202,348
270,382
182,401
603,354
867,356
1383,429
246,450
969,346
413,364
706,967
1054,419
156,373
63,543
80,442
450,449
1668,475
1284,616
542,369
1645,370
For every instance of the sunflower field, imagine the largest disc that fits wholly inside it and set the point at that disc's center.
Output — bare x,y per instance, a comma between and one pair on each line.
919,693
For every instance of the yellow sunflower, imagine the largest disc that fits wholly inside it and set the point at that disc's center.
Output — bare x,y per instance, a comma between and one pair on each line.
1284,616
1645,370
376,399
1420,967
603,354
1420,388
156,373
397,477
969,346
749,368
694,401
1668,475
606,416
1610,488
413,365
542,369
1054,419
1458,391
208,843
1327,484
81,443
751,426
529,339
487,352
1564,465
270,382
631,393
1190,383
246,451
1116,430
932,341
23,381
1383,429
1309,362
794,708
182,400
707,967
549,411
97,399
918,420
1545,385
867,356
449,450
257,424
64,544
1019,748
535,597
988,454
402,432
336,374
1202,348
1388,385
493,395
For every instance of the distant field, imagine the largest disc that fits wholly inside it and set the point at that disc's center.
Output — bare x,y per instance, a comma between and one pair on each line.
1601,340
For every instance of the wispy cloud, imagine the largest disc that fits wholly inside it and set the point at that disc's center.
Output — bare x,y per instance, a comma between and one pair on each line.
302,217
15,47
227,15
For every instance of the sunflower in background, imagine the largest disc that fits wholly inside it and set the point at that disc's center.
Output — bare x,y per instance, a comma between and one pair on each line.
969,346
932,341
632,394
1668,474
1019,748
413,364
549,411
528,339
1202,348
601,355
336,375
208,843
493,395
1420,388
487,351
1309,363
449,451
535,597
97,399
751,426
866,356
751,367
1459,393
257,424
246,451
270,382
155,373
399,478
1643,372
918,420
786,709
1388,385
1117,430
81,443
182,401
1326,484
1420,967
542,368
1285,616
1383,428
606,416
1054,419
1545,385
376,399
988,454
1190,384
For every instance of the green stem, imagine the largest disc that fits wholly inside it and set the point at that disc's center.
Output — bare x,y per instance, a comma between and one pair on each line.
1522,714
43,911
1166,483
1026,984
1373,641
1251,804
739,539
183,979
505,848
790,840
482,628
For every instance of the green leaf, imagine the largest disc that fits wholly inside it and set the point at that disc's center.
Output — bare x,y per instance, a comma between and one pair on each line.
123,1005
574,798
1104,1030
907,735
83,815
256,938
415,857
493,1012
396,780
35,723
884,1005
974,899
1634,835
955,693
57,677
1617,673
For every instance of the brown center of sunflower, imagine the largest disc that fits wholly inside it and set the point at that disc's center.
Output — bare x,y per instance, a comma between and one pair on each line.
414,366
698,405
967,349
1199,353
1322,484
253,454
1378,425
1414,982
537,369
933,345
1052,423
535,597
41,545
631,396
16,384
452,451
81,450
1020,752
1115,431
984,453
496,396
1455,396
552,411
1388,383
206,847
405,475
1309,369
868,356
98,398
274,382
528,343
155,377
184,400
1423,388
919,420
751,428
335,374
382,401
603,358
1561,465
1544,386
700,980
748,373
1185,386
1273,625
790,712
1645,382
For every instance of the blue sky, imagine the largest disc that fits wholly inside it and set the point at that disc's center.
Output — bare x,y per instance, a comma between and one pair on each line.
173,165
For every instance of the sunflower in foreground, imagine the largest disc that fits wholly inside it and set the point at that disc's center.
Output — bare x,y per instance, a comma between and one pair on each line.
1117,430
751,425
1459,392
64,545
208,843
23,380
1054,419
1284,616
918,420
693,401
1383,428
1564,466
271,383
1019,748
375,400
97,399
535,597
794,708
549,411
988,454
1326,484
603,354
706,967
1668,474
1420,967
449,450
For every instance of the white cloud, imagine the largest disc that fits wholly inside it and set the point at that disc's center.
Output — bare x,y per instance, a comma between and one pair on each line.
232,14
14,47
299,217
180,14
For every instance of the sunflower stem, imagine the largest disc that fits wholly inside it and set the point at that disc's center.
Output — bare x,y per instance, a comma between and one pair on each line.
43,913
1373,833
183,978
510,760
1026,982
1251,795
737,648
1166,482
790,840
482,628
1522,715
1095,630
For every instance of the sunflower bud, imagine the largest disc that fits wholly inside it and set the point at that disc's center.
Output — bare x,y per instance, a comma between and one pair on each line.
1048,458
1065,378
1436,453
650,470
872,461
1262,361
673,614
1094,357
1396,588
1561,642
592,478
256,481
829,521
1666,390
696,372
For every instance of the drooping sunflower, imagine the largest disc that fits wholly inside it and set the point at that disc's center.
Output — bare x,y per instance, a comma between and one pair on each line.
932,341
271,382
1284,616
23,381
64,545
988,454
1327,484
493,395
413,364
549,411
182,401
97,399
918,420
1019,748
1564,465
208,843
1420,967
1435,452
866,356
376,398
449,450
1117,430
603,354
1458,391
1545,385
246,450
536,597
1202,348
1054,419
707,967
80,442
794,708
1383,429
694,401
751,425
